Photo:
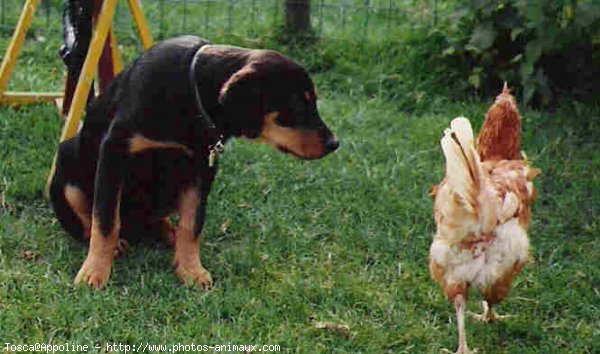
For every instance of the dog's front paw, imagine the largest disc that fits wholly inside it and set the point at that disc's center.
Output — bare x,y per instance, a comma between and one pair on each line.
194,274
94,273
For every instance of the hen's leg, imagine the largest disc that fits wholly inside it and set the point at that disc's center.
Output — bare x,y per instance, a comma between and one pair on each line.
460,304
495,294
459,298
488,315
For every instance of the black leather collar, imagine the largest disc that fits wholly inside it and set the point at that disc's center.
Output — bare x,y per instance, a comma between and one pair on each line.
215,143
202,113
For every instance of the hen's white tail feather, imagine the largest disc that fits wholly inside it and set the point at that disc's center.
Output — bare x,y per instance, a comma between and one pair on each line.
463,168
462,128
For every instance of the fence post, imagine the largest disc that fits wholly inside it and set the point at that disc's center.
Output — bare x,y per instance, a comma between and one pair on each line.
3,12
253,29
297,15
320,18
343,15
275,12
367,13
206,16
161,26
389,15
47,13
229,17
185,11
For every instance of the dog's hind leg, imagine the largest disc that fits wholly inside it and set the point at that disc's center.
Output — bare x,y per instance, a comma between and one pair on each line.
106,218
68,196
64,198
80,205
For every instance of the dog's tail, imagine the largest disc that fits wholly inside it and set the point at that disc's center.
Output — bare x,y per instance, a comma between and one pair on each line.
66,163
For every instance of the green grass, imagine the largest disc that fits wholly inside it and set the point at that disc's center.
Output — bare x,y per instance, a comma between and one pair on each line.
344,239
321,239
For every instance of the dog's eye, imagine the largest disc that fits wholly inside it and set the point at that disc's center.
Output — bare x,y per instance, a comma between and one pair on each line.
310,96
285,120
307,97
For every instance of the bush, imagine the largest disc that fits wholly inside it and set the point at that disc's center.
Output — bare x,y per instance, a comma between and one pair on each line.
544,48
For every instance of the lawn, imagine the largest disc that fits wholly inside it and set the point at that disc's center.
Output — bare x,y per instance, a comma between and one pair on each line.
291,243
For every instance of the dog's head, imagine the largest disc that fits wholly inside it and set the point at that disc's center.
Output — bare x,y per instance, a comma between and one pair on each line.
272,99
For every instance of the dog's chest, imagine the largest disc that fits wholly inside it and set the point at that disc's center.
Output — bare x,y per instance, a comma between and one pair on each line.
156,178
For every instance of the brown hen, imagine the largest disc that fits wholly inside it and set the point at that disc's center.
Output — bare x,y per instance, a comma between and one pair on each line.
482,211
500,135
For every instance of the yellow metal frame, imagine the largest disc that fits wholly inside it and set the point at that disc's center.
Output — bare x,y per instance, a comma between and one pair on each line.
22,98
89,68
141,23
102,29
17,42
10,58
12,52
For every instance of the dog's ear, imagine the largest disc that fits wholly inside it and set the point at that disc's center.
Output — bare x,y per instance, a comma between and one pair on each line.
242,100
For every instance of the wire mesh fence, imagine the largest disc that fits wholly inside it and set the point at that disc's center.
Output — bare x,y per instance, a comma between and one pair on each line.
331,19
222,21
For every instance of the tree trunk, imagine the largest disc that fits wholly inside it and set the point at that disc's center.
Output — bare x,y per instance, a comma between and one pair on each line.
297,15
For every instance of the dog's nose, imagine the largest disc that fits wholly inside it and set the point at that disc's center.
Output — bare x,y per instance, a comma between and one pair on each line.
331,144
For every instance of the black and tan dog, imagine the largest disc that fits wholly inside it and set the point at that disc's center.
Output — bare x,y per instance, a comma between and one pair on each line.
146,148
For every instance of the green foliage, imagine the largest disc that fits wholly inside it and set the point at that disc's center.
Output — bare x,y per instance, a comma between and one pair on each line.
343,239
545,48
